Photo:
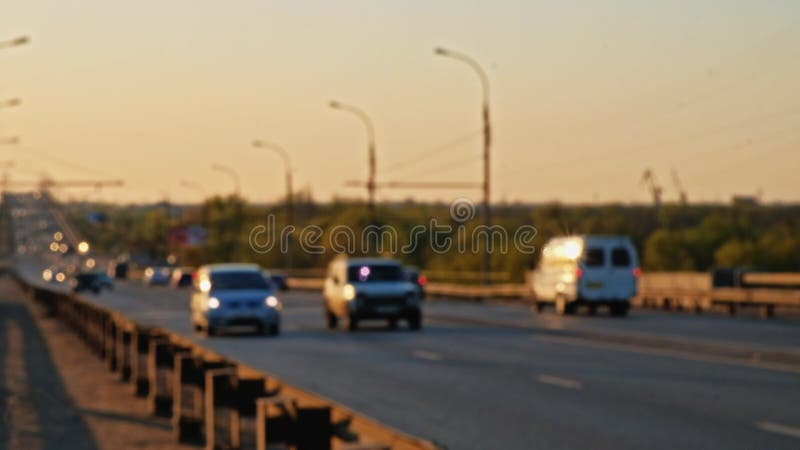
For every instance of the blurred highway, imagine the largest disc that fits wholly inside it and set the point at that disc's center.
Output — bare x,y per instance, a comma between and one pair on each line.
472,386
492,376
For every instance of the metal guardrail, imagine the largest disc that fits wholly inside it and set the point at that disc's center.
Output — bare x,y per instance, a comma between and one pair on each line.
662,290
694,291
777,279
211,399
508,290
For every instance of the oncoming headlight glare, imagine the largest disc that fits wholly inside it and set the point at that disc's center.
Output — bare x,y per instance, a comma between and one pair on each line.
272,301
349,292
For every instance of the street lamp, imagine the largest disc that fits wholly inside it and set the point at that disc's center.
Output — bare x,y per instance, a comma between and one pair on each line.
487,140
371,150
287,165
232,173
15,42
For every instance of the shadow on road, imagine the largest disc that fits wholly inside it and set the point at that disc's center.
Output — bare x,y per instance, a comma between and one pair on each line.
35,410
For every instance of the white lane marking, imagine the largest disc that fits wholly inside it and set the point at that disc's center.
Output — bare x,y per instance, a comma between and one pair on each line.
425,354
779,429
633,348
565,383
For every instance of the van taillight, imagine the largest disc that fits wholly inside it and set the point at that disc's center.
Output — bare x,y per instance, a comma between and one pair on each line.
422,280
637,271
578,273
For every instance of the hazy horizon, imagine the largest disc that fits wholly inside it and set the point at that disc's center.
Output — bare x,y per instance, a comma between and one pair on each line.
584,96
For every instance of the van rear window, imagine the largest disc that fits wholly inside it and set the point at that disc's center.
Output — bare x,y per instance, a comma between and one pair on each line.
620,257
594,257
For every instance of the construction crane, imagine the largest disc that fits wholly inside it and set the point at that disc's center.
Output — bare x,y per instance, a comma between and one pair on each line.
649,179
684,198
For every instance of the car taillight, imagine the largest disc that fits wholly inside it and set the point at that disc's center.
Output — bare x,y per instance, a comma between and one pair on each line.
636,272
578,273
422,280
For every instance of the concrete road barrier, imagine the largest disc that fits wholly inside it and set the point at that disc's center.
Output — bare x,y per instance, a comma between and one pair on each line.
213,400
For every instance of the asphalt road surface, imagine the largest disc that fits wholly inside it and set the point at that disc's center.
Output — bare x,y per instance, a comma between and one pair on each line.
470,385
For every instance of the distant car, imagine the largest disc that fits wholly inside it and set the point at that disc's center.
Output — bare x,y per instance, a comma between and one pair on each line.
157,276
55,274
586,271
413,275
278,280
118,269
181,277
91,281
359,289
232,295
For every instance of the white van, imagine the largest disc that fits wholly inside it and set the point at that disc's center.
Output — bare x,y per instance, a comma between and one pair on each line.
586,270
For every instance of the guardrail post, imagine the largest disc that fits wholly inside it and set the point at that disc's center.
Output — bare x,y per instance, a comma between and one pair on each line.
98,326
248,391
313,427
187,417
110,342
283,421
159,373
124,353
140,347
221,412
272,425
91,328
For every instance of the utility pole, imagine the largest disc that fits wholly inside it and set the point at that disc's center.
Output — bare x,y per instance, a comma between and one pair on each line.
487,142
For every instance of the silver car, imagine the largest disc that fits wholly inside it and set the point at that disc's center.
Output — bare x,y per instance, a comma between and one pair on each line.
359,289
234,295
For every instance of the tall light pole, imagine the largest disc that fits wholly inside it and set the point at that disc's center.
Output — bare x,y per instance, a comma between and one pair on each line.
232,173
15,42
287,165
370,148
487,141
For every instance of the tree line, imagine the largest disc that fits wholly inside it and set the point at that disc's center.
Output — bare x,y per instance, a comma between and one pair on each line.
672,237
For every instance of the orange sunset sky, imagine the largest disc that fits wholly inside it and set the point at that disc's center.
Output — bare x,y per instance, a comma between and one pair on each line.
585,95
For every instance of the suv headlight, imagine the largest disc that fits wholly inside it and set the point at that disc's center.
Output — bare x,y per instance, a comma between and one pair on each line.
349,292
272,302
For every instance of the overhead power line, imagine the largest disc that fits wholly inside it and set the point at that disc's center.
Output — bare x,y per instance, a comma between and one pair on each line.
427,154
